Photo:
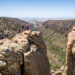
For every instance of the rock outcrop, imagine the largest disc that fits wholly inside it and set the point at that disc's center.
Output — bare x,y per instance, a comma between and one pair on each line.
24,54
70,54
10,58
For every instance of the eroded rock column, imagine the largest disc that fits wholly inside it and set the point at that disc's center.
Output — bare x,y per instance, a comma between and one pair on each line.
70,54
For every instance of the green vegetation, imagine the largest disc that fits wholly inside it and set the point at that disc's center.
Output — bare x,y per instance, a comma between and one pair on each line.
56,47
55,36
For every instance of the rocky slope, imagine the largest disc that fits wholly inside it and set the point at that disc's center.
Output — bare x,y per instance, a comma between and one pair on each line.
11,26
55,36
70,51
60,26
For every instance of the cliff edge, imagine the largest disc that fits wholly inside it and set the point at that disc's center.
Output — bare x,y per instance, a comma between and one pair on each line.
24,54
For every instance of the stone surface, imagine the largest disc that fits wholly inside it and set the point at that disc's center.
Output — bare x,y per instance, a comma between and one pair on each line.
36,60
24,54
70,54
36,38
21,39
10,58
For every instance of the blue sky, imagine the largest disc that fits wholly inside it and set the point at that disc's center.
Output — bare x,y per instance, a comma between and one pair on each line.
37,8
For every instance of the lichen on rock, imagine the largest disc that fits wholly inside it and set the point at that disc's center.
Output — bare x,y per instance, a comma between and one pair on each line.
10,57
24,54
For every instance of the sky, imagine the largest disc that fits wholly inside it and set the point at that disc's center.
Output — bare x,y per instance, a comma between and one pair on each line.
37,8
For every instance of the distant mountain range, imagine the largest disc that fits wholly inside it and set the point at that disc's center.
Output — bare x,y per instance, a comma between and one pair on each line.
34,21
45,19
39,21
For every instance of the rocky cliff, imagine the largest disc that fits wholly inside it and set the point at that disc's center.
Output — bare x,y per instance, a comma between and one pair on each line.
24,54
70,54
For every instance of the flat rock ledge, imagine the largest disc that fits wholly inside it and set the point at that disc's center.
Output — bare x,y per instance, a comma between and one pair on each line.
24,54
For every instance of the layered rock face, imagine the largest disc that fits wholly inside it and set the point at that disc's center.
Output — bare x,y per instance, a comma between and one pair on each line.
70,54
24,54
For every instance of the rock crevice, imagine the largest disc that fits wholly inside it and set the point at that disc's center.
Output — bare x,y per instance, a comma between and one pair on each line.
24,54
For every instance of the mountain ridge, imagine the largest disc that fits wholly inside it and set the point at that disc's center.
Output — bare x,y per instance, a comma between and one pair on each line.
11,26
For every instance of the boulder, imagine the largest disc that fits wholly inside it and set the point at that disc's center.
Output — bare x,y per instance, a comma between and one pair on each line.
36,38
24,54
21,39
11,58
36,59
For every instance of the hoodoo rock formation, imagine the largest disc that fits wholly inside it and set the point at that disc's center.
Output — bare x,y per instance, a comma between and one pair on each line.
24,54
70,54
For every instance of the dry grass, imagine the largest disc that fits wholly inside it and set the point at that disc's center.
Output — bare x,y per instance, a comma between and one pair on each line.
56,48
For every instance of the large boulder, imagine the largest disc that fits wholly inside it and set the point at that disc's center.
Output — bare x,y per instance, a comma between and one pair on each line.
36,62
35,59
11,58
24,54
